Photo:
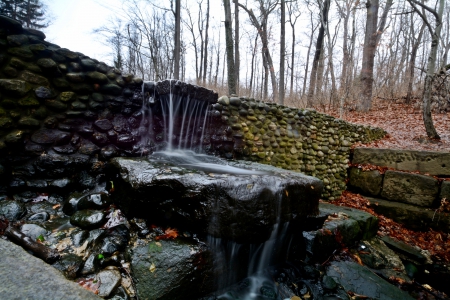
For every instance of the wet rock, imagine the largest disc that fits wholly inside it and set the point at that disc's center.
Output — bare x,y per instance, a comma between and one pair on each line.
39,217
34,231
111,89
171,270
14,87
69,265
362,281
50,136
91,265
366,181
60,183
58,165
244,206
109,280
93,201
103,125
37,184
25,197
12,210
88,219
376,255
78,237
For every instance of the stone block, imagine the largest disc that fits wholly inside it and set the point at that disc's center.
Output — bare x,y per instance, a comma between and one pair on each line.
433,163
368,182
410,188
445,190
413,217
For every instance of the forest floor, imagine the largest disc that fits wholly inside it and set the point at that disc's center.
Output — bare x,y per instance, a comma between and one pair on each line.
405,128
404,125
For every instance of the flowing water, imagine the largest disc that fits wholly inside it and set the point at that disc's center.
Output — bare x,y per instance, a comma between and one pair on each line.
184,119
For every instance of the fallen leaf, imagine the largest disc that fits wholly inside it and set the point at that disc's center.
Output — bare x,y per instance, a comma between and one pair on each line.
152,268
169,233
56,206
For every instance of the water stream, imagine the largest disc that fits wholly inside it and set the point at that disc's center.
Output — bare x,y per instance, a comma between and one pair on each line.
183,119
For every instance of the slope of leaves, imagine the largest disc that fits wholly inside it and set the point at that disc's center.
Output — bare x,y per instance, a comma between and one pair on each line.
404,125
437,243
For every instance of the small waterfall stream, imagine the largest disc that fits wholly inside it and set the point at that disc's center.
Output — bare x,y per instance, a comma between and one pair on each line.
178,121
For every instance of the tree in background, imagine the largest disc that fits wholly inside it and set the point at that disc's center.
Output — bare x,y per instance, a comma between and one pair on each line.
229,48
30,13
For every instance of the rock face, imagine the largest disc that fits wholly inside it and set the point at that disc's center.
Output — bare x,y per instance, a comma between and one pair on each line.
236,207
26,277
171,270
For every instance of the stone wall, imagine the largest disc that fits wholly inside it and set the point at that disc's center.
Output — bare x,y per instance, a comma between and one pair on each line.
53,100
406,192
296,139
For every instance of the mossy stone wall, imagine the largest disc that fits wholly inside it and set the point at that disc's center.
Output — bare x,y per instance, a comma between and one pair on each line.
295,139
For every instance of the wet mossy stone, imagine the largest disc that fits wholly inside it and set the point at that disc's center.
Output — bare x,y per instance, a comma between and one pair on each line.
39,35
49,136
33,78
82,88
23,52
78,105
61,83
69,265
10,71
103,125
33,231
14,137
97,97
39,217
75,77
67,96
67,53
55,105
111,89
40,113
88,148
88,219
6,123
97,77
88,64
28,122
12,210
28,102
12,25
40,50
102,68
47,64
14,87
65,149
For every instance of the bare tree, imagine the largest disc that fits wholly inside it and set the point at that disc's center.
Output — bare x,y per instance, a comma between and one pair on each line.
229,48
282,50
237,59
431,66
177,48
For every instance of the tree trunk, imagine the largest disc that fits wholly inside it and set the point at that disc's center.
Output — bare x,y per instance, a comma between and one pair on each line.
370,42
177,49
236,44
229,48
318,53
412,61
282,52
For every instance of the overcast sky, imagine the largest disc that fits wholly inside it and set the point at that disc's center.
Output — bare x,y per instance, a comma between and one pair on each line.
73,22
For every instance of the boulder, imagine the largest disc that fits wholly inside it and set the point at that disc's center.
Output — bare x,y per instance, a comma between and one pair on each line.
231,206
368,182
170,269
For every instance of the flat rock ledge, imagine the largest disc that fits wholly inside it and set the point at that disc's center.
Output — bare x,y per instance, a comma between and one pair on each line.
24,276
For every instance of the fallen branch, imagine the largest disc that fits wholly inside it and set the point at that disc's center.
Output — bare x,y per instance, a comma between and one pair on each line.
39,250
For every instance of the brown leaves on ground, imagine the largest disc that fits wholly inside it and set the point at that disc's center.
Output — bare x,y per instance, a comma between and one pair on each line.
89,284
404,125
436,242
169,233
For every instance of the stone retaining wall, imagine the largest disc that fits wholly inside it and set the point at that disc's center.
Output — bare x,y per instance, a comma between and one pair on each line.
405,194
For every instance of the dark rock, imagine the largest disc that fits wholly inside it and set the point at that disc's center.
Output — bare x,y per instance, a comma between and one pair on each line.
33,78
12,210
109,151
37,33
17,183
23,52
88,219
40,113
14,87
34,231
376,255
50,136
78,237
58,165
28,102
405,249
6,123
11,24
88,148
445,190
69,265
362,281
25,197
103,125
245,205
37,184
55,105
91,265
88,64
97,77
94,201
67,53
65,149
60,183
43,206
28,122
109,281
100,139
47,64
111,89
39,217
17,40
125,140
189,265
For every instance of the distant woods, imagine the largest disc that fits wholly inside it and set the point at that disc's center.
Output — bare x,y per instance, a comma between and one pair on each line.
30,13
